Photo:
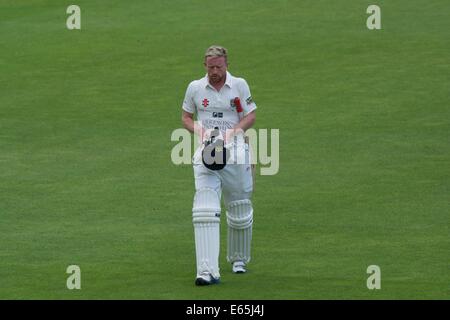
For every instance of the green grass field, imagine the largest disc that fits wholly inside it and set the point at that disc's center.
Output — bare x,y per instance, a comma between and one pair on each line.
85,123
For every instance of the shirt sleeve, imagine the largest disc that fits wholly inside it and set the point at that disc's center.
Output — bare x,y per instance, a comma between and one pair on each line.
248,105
188,102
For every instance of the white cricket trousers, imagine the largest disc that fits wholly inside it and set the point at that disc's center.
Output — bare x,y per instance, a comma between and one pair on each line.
235,181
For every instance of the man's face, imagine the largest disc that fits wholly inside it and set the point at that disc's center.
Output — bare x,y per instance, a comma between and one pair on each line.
217,69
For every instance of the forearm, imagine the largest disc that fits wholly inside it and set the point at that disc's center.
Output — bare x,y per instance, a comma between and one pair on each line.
188,123
245,123
191,125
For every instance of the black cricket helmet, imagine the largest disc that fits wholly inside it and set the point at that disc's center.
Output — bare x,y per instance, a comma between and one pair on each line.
214,154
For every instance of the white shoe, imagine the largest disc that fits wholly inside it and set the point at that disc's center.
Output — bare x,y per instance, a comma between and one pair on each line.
239,267
206,279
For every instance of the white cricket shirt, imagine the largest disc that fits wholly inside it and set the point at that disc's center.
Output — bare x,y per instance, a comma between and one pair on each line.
218,108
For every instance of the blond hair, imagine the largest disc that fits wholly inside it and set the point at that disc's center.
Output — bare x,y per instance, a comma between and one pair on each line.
216,51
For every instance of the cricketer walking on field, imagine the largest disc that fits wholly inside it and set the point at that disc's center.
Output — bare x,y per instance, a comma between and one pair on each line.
225,110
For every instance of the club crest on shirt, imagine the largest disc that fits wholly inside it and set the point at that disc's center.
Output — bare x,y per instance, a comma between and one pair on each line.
205,102
232,104
235,103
